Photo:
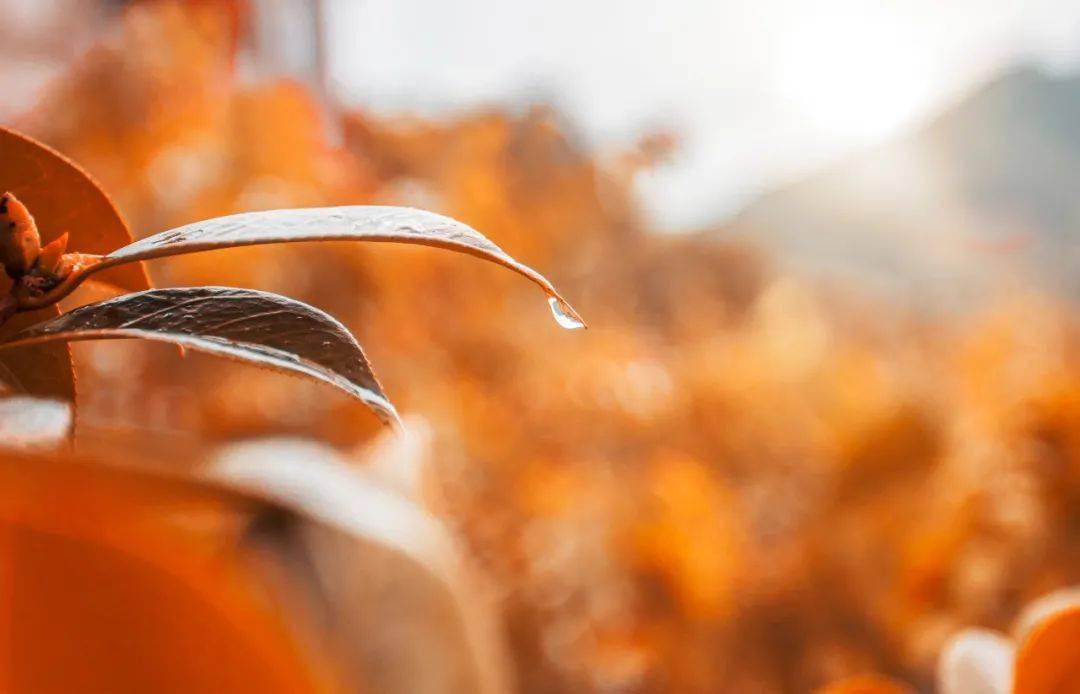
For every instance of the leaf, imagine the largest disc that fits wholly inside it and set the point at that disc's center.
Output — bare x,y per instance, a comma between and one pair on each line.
129,577
1042,608
976,661
34,423
251,326
1048,661
356,223
366,558
42,370
64,198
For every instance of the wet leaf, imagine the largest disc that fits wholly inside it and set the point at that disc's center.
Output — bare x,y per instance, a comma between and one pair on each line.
357,223
1048,661
251,326
63,198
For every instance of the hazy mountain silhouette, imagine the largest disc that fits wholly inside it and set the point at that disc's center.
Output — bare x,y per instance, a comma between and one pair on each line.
987,191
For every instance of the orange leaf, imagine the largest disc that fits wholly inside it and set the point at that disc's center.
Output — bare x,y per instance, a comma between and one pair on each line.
44,370
62,197
104,572
1049,658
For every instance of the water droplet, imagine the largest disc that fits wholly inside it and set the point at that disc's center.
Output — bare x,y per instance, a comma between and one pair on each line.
565,316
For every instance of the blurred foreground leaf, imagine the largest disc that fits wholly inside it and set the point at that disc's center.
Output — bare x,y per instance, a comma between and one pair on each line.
120,580
34,423
1048,661
383,576
976,661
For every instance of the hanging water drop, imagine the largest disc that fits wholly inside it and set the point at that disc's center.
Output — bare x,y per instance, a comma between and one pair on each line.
564,314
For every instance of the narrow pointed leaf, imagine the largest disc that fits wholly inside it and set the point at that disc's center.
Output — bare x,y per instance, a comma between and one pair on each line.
256,327
357,223
64,198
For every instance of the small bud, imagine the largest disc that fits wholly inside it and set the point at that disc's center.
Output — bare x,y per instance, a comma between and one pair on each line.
19,240
51,257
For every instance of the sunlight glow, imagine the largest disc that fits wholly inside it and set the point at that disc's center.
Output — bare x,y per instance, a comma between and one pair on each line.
856,77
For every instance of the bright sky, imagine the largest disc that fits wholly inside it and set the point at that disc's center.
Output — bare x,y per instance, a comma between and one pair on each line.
760,90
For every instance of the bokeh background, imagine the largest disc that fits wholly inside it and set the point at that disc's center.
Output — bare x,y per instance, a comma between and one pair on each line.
828,408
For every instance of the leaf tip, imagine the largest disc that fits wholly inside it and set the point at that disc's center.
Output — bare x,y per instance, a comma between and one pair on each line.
565,315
